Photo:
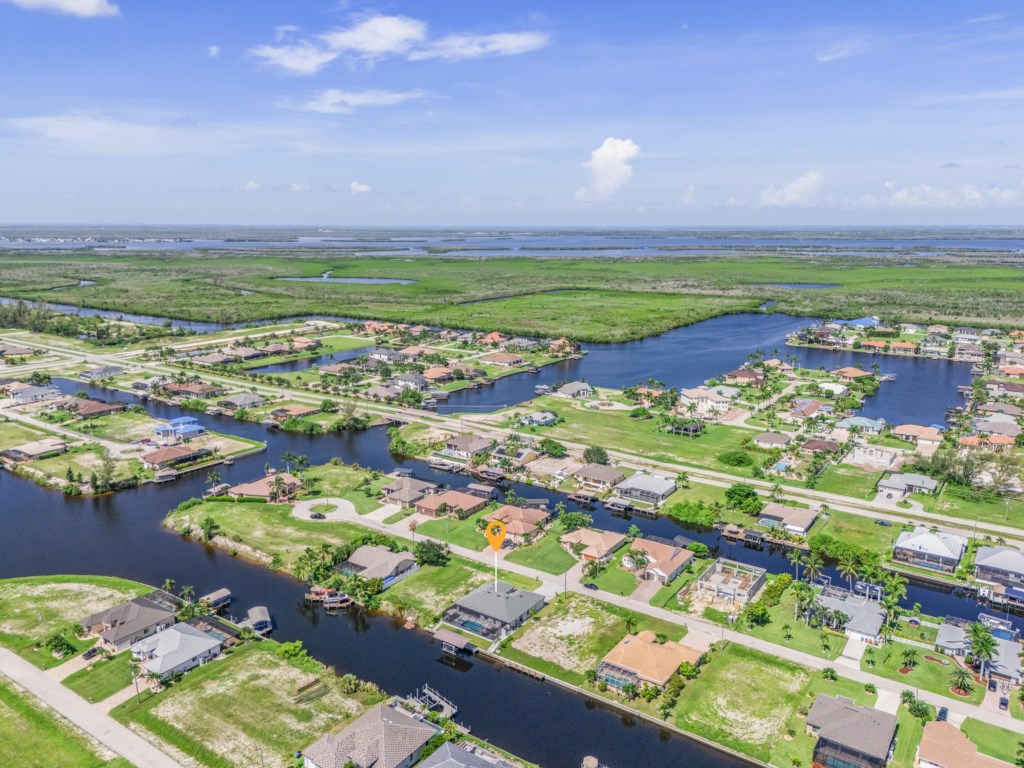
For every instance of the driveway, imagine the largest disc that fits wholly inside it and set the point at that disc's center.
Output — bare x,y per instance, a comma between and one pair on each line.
95,723
343,509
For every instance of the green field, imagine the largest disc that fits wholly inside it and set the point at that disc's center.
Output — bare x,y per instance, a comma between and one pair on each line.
32,608
121,427
461,533
85,460
574,632
848,481
32,735
12,433
227,713
546,554
102,678
800,636
615,579
651,294
344,481
927,675
993,741
1003,511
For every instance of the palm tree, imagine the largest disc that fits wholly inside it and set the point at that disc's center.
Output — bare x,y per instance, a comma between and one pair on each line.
804,594
631,622
812,566
983,644
168,586
591,569
909,657
961,680
187,592
639,558
213,477
787,631
794,557
848,568
895,586
277,486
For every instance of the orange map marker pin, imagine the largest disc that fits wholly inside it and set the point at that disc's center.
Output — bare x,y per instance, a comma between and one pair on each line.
495,533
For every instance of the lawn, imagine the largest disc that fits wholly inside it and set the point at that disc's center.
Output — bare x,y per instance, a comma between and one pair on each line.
927,675
983,508
269,529
123,427
615,579
103,678
546,554
241,710
574,632
847,480
428,592
909,730
746,700
85,460
993,741
34,607
33,735
665,597
461,533
12,433
857,530
801,637
355,484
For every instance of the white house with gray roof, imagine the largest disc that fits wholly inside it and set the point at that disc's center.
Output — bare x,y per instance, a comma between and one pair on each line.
493,610
383,737
574,389
464,755
902,484
652,489
933,551
175,650
865,616
1000,565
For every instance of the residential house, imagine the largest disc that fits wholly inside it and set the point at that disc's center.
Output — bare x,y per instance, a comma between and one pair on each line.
988,442
521,344
414,381
103,372
642,661
504,359
412,354
9,350
37,449
860,322
804,408
910,328
162,458
863,425
521,523
745,377
970,353
932,551
123,625
849,735
180,428
406,491
455,502
864,617
85,408
772,440
379,562
515,455
652,489
943,745
966,335
796,520
244,353
703,399
382,392
899,485
32,394
874,345
304,343
386,355
562,346
599,477
922,437
243,400
821,446
778,365
466,447
730,581
997,424
336,369
1000,565
664,561
464,755
175,650
438,375
574,390
593,544
383,737
277,486
1004,408
539,419
494,339
469,371
833,389
194,390
214,358
493,610
849,373
873,455
293,411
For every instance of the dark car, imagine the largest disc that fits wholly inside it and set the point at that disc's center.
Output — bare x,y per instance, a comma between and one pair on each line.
590,586
883,523
943,714
92,653
1004,703
317,516
992,685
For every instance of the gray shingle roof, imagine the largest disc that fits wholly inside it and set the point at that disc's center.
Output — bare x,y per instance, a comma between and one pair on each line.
1004,558
450,756
382,738
126,619
842,722
508,604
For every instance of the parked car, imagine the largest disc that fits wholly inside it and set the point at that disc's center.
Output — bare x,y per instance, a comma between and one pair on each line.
992,685
590,586
92,653
317,516
883,523
943,714
1004,703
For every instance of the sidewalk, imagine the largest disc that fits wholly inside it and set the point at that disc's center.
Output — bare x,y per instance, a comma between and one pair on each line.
88,718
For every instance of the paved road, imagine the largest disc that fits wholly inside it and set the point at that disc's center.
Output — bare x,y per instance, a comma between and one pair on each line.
97,724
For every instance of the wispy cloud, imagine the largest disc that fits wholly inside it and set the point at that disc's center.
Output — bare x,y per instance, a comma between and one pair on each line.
921,196
337,102
803,191
213,51
83,8
458,47
251,186
951,165
374,38
843,49
987,18
610,169
358,189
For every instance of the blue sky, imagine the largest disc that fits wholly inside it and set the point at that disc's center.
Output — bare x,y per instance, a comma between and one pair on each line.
564,113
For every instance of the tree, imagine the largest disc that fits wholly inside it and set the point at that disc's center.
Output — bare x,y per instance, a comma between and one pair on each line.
639,558
328,406
758,615
431,553
848,568
277,487
631,623
961,680
634,532
795,558
909,657
572,520
168,586
983,644
595,455
187,592
812,566
210,527
553,448
591,569
787,632
629,690
213,477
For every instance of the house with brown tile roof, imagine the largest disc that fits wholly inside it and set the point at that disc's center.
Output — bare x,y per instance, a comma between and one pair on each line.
592,544
921,436
664,561
456,502
641,660
506,359
520,522
943,745
266,487
438,374
171,455
294,411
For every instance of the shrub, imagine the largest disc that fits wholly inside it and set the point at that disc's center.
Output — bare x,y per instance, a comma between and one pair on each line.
736,458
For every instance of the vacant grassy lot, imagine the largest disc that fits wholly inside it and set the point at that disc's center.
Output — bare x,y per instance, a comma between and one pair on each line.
427,593
32,608
343,481
462,533
225,713
857,530
121,427
848,481
615,579
32,735
783,629
13,433
1004,511
264,530
103,678
573,633
928,675
86,459
546,554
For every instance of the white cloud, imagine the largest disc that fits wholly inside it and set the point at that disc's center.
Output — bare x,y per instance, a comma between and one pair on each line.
377,36
337,102
457,47
961,196
844,49
297,188
303,58
213,51
986,19
801,192
251,186
84,8
689,197
282,31
358,189
610,169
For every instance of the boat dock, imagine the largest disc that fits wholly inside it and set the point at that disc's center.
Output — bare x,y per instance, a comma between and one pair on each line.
430,700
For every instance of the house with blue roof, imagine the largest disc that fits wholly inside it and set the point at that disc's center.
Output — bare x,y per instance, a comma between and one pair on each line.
861,322
181,428
863,424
